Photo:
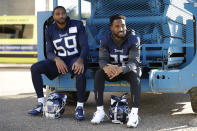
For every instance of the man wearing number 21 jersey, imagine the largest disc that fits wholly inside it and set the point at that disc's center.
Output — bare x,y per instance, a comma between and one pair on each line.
67,50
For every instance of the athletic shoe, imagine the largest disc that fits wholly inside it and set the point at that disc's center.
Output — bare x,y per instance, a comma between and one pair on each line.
98,117
79,113
36,111
133,120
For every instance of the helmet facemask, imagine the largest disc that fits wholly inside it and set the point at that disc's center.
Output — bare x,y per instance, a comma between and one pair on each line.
119,109
54,106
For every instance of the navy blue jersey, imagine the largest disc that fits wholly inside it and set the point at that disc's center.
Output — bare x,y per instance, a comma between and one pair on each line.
67,43
127,55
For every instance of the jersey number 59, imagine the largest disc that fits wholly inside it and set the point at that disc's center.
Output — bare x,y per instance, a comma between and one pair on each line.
65,52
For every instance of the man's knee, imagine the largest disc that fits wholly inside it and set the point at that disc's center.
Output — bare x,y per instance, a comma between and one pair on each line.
99,72
37,67
133,76
34,67
80,76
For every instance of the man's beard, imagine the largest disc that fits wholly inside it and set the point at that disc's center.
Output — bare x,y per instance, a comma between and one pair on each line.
120,37
61,23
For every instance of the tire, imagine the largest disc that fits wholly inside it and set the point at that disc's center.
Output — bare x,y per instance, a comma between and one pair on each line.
72,97
193,98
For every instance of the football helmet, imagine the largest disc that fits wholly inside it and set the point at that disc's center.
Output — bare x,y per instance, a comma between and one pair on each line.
119,109
55,105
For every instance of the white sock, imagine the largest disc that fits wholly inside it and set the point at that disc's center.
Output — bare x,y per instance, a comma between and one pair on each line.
134,110
80,104
100,108
41,100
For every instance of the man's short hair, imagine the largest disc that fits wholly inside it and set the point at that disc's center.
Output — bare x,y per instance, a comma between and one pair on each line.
115,17
59,7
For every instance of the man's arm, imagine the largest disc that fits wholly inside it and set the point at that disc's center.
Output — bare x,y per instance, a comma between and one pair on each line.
104,61
49,46
104,57
134,57
83,42
78,66
61,66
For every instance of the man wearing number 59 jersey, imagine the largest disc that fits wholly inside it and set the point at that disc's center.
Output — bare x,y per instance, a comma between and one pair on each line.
119,59
67,50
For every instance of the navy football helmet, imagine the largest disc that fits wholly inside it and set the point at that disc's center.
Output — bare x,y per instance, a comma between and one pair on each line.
55,105
119,109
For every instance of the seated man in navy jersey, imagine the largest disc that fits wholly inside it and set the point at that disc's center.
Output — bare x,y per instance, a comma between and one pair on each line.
67,50
119,58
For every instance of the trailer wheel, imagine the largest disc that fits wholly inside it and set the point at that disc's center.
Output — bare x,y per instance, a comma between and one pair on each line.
72,97
193,98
